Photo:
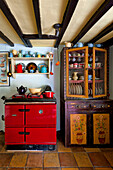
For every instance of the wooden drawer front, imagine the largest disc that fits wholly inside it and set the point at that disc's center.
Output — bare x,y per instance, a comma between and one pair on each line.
101,129
14,116
41,116
101,105
78,106
14,136
41,136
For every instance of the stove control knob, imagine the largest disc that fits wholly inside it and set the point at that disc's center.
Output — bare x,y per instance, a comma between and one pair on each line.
40,111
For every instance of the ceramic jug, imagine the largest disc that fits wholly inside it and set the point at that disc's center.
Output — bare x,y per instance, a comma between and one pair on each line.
43,69
74,76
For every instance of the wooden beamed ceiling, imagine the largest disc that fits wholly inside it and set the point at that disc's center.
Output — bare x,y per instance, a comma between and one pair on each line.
97,15
5,9
7,40
67,17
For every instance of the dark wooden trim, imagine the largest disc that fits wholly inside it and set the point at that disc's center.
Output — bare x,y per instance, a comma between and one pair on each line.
5,9
36,36
66,19
6,39
96,16
102,33
37,16
108,43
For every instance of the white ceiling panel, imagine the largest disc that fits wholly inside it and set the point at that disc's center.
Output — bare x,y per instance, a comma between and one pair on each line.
8,30
43,43
51,13
24,15
105,38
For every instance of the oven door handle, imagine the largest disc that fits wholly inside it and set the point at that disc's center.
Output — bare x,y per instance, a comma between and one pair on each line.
24,110
24,133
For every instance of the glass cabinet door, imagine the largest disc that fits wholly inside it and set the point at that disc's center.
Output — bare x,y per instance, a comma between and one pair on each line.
77,72
99,72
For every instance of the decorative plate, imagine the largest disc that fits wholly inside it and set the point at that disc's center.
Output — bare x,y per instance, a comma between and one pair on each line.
31,67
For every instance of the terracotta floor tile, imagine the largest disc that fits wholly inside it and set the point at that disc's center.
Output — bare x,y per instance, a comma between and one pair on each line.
92,149
3,168
15,169
109,157
33,168
106,149
18,160
69,169
77,149
51,160
5,159
67,160
35,160
62,148
3,150
103,169
82,159
52,168
98,159
86,169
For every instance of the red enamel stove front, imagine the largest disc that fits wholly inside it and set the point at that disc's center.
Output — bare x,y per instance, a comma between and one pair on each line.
30,124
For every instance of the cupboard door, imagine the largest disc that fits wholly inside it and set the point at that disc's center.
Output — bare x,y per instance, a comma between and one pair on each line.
78,128
14,116
41,136
77,72
14,136
99,72
41,116
101,129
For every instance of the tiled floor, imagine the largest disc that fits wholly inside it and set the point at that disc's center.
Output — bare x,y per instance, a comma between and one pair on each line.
73,158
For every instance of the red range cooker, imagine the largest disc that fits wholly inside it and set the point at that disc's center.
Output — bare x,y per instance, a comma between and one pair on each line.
30,120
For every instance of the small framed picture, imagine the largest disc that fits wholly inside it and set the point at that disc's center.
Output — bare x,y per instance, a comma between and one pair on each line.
4,79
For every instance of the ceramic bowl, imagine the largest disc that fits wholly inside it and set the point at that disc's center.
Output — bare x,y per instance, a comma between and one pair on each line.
34,90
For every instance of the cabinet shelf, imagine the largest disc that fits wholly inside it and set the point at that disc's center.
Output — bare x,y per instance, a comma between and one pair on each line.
29,58
76,56
76,81
96,81
14,59
78,68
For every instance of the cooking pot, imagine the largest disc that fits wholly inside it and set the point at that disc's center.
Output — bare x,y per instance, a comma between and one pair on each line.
21,90
48,94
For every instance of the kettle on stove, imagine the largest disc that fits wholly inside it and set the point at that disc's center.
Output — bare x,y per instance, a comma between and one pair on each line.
21,89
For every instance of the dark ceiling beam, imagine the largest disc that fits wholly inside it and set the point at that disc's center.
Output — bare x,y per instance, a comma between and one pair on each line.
37,16
5,9
66,19
36,36
108,43
102,33
7,40
96,16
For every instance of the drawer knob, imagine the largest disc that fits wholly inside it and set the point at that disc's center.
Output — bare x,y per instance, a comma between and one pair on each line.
40,111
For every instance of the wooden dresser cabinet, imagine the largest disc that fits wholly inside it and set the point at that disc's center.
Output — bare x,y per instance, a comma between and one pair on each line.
87,122
86,111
